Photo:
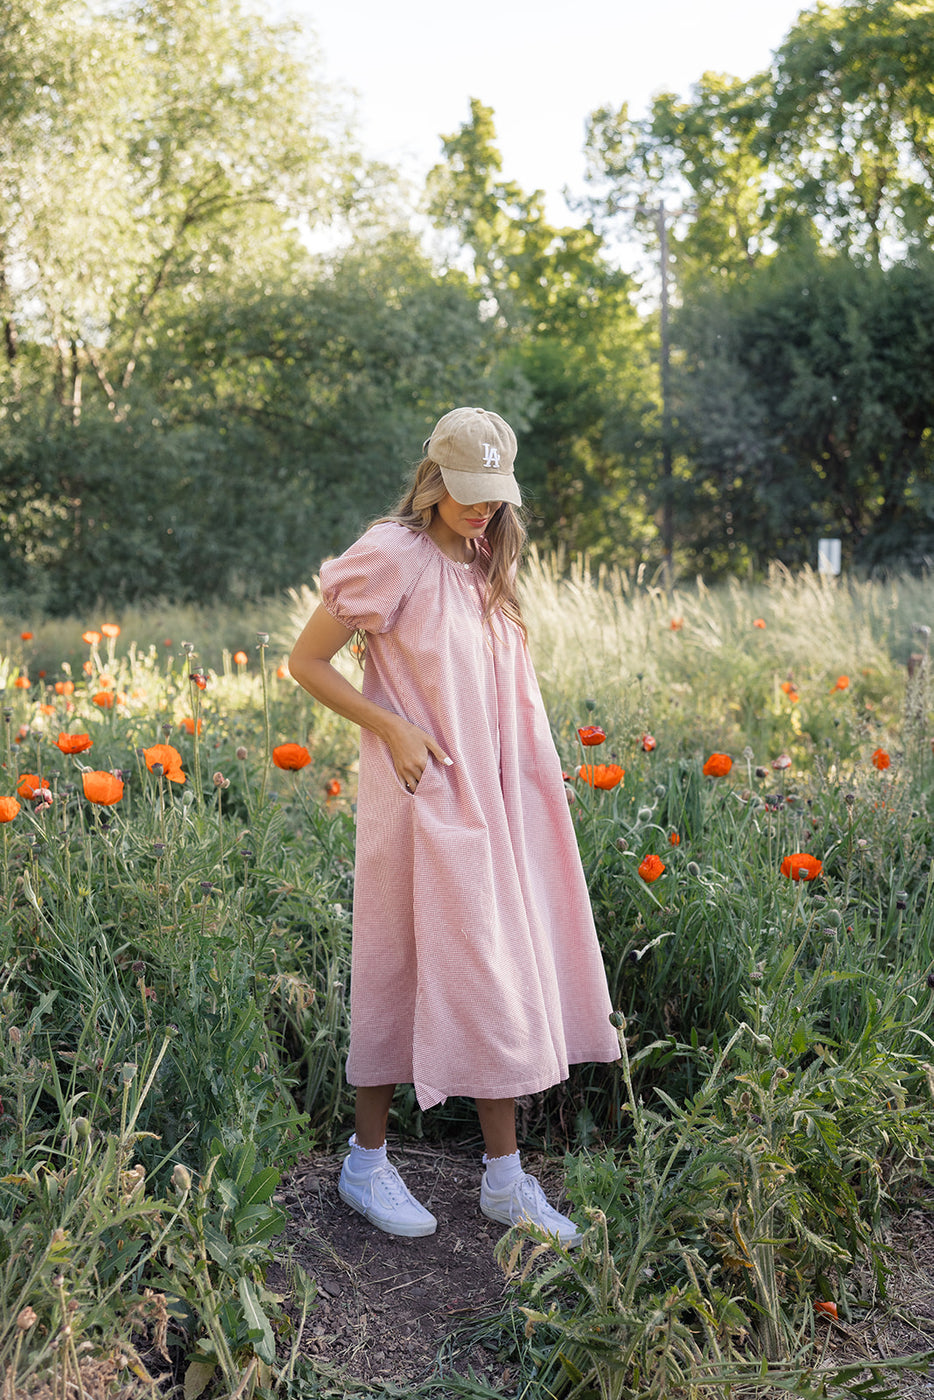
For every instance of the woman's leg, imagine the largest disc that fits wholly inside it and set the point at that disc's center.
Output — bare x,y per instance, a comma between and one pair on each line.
372,1114
498,1126
507,1193
368,1181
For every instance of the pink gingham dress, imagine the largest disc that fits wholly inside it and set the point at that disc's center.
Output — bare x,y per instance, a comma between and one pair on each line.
476,969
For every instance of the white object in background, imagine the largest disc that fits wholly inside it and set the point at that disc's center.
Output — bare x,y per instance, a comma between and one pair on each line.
828,556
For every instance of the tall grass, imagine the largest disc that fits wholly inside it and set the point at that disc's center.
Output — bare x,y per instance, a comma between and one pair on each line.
174,972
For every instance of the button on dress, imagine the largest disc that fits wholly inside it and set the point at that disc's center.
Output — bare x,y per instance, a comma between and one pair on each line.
476,969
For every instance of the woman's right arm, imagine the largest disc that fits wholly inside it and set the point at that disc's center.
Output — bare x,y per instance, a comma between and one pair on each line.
310,664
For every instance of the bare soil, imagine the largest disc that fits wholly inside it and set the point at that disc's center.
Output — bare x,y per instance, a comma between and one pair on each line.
393,1312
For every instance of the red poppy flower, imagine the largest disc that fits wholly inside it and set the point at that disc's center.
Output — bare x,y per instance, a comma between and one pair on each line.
64,687
188,724
651,867
676,624
169,758
92,638
104,699
674,839
240,658
110,629
828,1309
22,683
102,788
26,636
9,807
199,680
881,760
759,622
842,683
332,788
291,757
801,867
717,765
601,775
649,743
591,735
74,743
30,785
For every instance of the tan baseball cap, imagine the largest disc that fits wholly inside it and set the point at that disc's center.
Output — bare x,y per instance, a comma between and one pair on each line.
475,450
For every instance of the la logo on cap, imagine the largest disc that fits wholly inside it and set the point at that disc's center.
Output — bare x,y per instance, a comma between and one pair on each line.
491,456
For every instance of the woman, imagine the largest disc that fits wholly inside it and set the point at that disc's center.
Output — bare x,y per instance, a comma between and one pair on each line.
475,967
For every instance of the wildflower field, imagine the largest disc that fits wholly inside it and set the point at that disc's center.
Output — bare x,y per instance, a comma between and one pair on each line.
750,772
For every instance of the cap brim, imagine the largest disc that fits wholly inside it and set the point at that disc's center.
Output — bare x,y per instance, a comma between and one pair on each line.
468,488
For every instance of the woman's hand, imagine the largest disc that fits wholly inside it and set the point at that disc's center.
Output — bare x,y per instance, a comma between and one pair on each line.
412,749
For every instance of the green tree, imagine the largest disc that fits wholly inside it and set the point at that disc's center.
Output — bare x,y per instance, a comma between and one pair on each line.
565,327
805,400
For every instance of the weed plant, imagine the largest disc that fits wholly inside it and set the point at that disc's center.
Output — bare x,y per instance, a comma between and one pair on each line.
174,970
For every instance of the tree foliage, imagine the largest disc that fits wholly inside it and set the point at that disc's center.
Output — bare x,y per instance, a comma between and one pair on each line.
566,327
806,404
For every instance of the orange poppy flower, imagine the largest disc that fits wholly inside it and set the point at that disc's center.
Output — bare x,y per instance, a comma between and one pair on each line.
649,743
717,765
30,784
188,724
22,683
591,735
676,624
828,1309
842,683
74,743
282,672
106,682
102,788
601,775
881,760
64,687
332,788
650,868
240,658
199,680
801,867
291,757
110,629
674,839
170,759
104,699
47,709
759,622
9,807
26,636
92,638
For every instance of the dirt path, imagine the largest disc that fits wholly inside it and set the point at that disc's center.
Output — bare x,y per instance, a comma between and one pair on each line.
386,1307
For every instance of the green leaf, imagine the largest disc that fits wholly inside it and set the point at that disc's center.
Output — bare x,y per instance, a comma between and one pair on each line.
197,1376
257,1322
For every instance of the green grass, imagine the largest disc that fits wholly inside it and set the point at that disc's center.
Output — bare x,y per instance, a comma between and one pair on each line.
174,972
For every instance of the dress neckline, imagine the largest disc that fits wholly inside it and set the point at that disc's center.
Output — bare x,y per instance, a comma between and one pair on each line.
460,565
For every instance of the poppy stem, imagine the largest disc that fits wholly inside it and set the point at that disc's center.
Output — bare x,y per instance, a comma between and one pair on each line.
267,750
195,693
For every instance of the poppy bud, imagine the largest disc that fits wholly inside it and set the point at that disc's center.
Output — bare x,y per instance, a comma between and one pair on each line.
220,781
901,899
620,844
241,753
693,868
26,1319
181,1178
262,639
618,1020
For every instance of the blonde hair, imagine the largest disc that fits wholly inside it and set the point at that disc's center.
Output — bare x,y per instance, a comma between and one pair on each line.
498,553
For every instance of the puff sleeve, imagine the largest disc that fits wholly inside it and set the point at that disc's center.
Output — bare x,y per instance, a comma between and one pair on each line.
366,587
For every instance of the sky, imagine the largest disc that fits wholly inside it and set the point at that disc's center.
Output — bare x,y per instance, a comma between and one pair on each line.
542,65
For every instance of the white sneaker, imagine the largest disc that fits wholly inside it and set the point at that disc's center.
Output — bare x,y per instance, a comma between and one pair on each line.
383,1198
524,1199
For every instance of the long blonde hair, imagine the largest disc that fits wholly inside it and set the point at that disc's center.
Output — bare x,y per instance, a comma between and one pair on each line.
498,553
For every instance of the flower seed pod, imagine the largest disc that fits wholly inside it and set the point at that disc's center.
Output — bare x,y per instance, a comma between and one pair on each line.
26,1319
